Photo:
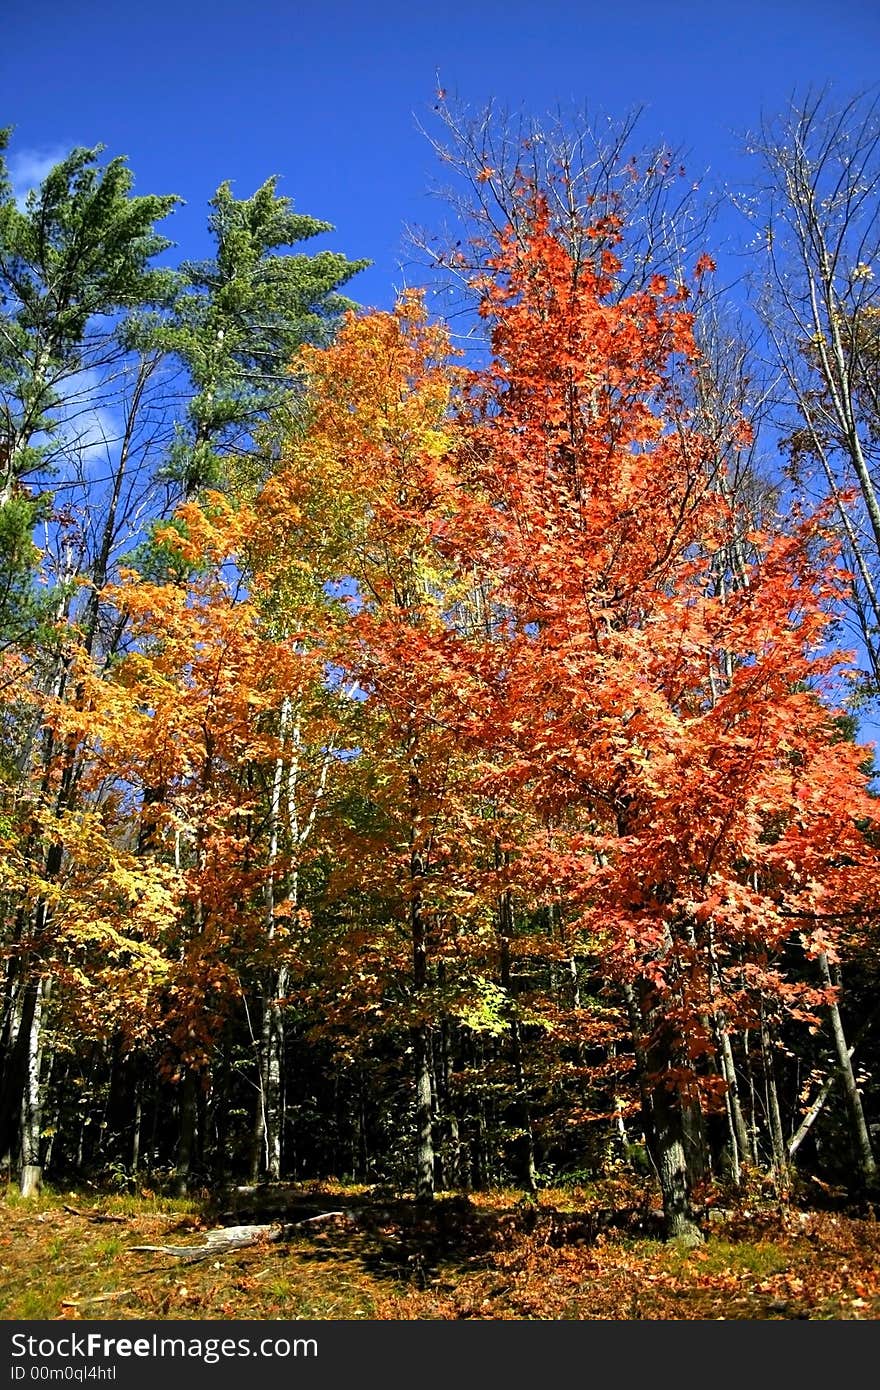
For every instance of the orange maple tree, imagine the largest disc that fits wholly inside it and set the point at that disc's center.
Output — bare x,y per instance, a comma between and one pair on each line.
666,714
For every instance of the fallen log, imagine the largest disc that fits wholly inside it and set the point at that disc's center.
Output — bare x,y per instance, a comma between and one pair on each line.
216,1242
225,1239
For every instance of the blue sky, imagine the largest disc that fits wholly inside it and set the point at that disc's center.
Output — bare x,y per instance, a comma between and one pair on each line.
328,95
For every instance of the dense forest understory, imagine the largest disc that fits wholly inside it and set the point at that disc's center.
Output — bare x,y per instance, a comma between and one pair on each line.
430,760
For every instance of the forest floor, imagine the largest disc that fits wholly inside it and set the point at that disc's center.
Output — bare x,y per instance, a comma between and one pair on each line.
572,1254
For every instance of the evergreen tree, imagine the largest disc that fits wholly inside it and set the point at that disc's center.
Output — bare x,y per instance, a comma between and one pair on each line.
238,319
73,262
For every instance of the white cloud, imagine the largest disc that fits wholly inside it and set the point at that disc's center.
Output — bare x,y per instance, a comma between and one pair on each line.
28,168
88,426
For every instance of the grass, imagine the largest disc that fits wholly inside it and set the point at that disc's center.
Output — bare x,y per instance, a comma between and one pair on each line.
759,1259
581,1254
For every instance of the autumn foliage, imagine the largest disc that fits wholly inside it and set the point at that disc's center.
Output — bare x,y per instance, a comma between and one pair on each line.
488,733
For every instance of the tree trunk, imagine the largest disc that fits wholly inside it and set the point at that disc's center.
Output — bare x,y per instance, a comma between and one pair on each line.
452,1159
136,1128
187,1132
728,1068
421,1039
780,1154
424,1114
666,1142
267,1138
749,1072
521,1108
362,1131
273,1045
18,1006
258,1131
694,1138
528,1166
733,1144
661,1115
861,1135
478,1149
32,1096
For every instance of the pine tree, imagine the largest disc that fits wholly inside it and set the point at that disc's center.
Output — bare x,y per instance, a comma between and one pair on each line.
239,318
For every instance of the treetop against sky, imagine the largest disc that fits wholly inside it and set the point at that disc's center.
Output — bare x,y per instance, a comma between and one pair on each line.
330,97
